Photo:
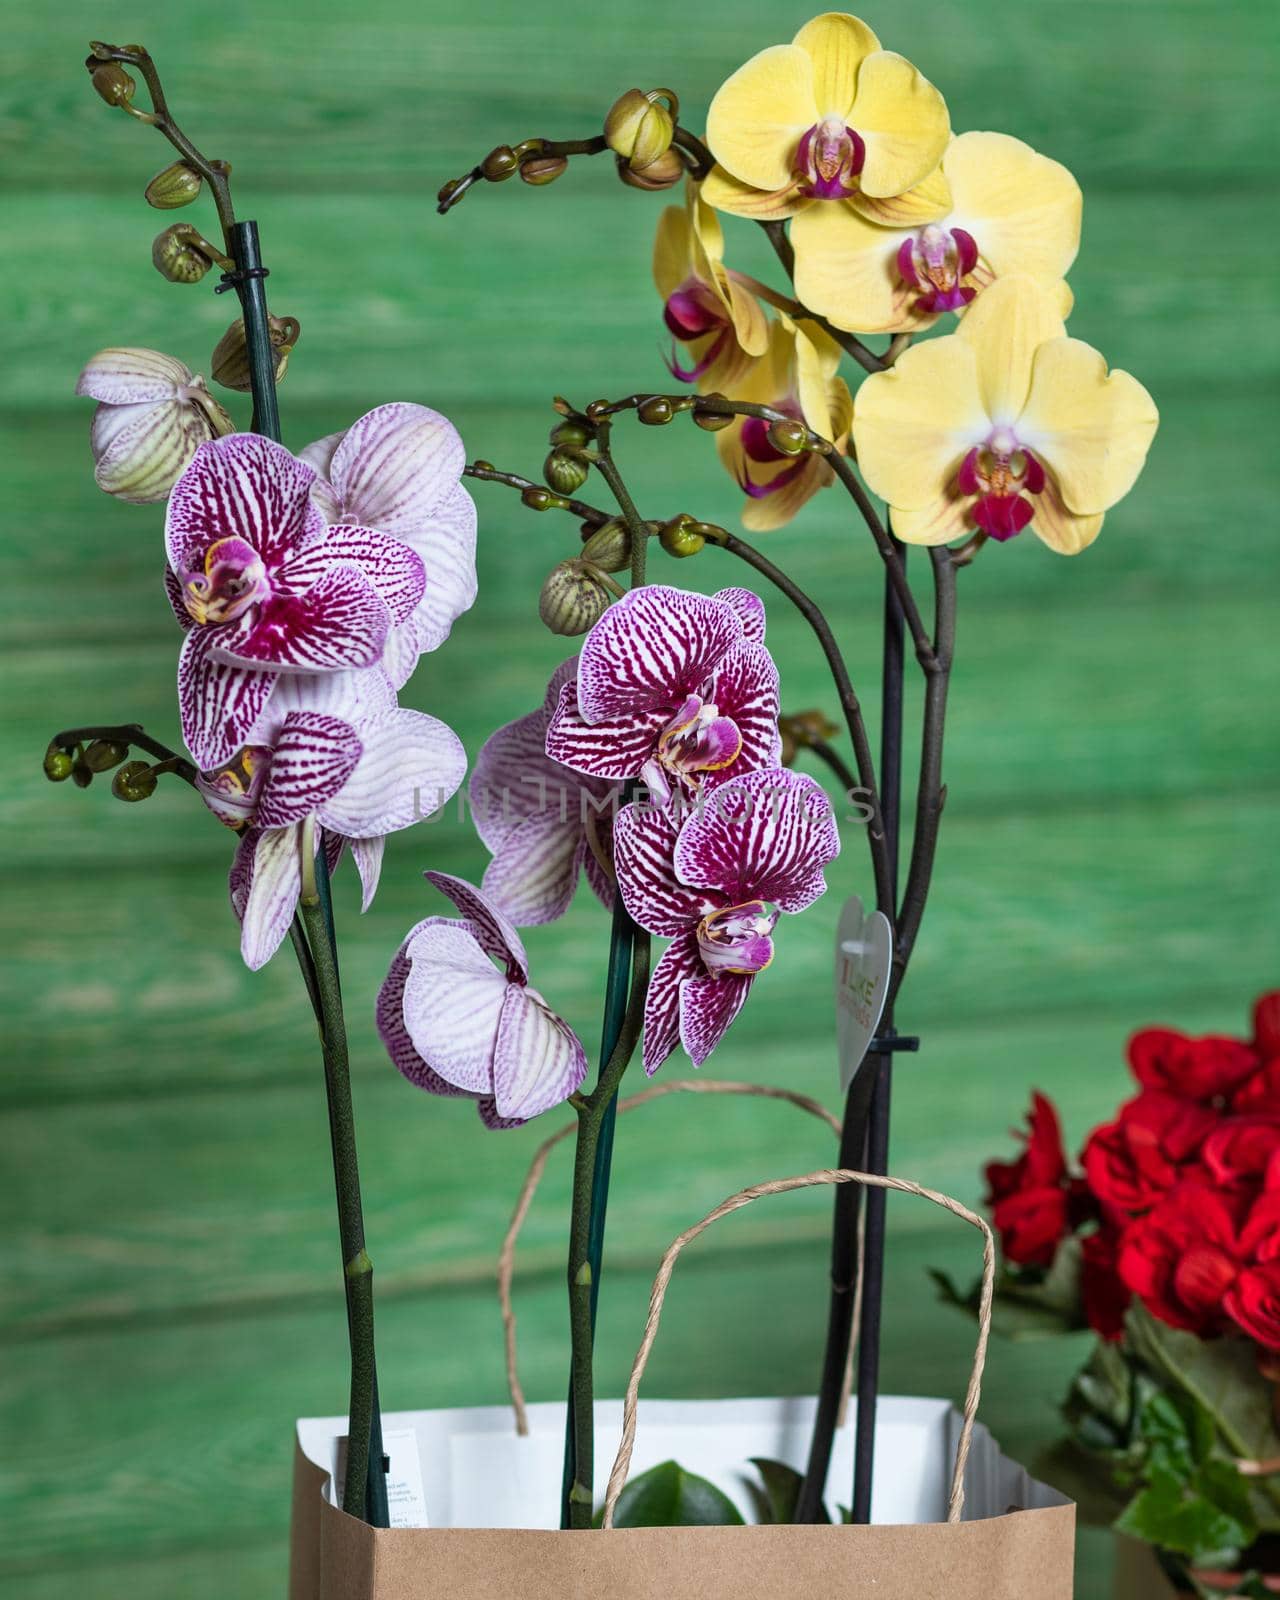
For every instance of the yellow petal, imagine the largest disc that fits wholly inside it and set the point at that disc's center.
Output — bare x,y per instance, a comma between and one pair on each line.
705,223
817,356
1022,208
1005,326
840,406
847,271
750,324
903,121
946,517
913,424
927,201
726,193
838,44
778,508
759,114
671,251
1059,528
1090,428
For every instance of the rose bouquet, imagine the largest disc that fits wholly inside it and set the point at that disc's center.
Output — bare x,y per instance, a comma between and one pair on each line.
659,763
1164,1239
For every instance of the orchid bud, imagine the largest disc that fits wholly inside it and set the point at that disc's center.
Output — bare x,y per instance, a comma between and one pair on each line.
134,781
176,256
499,164
543,169
609,546
58,764
573,599
229,363
540,499
565,470
176,186
682,536
712,421
655,411
152,416
664,173
789,437
103,754
570,433
113,83
639,127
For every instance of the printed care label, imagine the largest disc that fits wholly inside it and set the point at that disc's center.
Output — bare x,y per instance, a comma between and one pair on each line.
406,1502
864,954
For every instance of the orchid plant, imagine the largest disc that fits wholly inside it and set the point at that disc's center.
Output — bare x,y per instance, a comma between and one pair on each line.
659,762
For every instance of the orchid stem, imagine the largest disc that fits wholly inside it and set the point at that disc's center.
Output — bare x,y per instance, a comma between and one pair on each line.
624,1021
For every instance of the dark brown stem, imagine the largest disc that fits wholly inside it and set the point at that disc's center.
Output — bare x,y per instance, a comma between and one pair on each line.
636,525
931,793
131,734
486,473
215,173
835,761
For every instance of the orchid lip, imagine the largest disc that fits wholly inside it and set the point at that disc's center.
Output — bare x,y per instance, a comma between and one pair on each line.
232,791
736,941
1000,473
234,578
936,261
829,158
698,739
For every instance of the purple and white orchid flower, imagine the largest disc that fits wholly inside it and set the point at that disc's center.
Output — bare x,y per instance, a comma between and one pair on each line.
457,1025
543,823
264,586
399,470
673,687
750,849
336,752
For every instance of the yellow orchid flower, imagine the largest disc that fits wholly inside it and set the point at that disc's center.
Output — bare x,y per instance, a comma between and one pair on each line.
826,122
1003,424
797,376
1005,209
707,306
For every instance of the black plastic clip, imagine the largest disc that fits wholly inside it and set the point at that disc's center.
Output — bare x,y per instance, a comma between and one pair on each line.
893,1041
233,279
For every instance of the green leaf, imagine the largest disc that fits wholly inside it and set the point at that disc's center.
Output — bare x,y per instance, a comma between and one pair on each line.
1030,1303
1221,1374
781,1486
669,1497
1102,1404
1189,1518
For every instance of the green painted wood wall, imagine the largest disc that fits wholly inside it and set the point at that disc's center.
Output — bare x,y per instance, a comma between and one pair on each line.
170,1287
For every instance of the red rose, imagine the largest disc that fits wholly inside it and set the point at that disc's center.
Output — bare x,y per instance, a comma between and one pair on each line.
1205,1069
1130,1163
1240,1150
1261,1092
1266,1025
1253,1303
1029,1197
1202,1257
1103,1292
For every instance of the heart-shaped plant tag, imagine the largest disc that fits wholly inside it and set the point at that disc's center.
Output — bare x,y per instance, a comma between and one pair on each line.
864,954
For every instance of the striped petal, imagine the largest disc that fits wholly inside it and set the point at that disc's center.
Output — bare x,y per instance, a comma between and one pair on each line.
447,545
358,696
247,487
313,757
367,855
534,872
615,747
123,377
341,621
644,845
651,648
764,836
453,999
272,899
707,1007
492,1118
411,766
538,1060
679,964
496,935
389,1016
140,451
396,466
219,703
395,570
750,610
745,688
513,776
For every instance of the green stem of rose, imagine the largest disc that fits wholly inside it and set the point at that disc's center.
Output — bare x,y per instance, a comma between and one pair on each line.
624,1021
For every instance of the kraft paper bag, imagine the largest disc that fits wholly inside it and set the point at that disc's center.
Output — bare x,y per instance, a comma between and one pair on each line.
477,1509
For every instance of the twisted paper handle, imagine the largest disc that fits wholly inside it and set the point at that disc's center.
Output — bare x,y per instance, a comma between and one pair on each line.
507,1255
810,1180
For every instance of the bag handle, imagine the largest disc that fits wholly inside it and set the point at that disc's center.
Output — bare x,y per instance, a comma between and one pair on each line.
810,1180
655,1091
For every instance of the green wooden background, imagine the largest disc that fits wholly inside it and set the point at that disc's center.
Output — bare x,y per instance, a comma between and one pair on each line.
171,1284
